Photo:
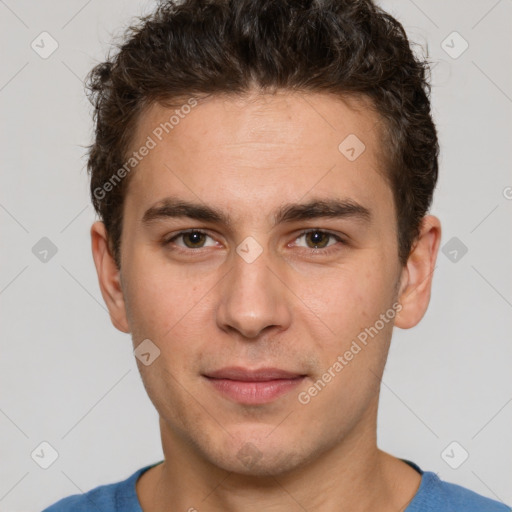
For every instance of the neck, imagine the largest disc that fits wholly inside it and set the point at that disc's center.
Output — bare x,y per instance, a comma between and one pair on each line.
353,475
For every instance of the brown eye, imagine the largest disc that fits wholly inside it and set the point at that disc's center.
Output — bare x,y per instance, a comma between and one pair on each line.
196,239
318,239
193,239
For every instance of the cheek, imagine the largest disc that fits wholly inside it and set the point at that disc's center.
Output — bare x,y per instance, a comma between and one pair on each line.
170,308
346,300
159,296
162,307
352,355
167,389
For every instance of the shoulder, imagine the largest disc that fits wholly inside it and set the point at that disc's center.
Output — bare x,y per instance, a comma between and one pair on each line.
438,495
101,498
119,496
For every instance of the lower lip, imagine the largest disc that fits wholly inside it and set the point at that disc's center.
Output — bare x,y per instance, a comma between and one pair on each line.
254,392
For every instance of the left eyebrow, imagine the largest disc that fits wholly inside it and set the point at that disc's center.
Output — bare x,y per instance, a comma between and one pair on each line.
291,212
324,208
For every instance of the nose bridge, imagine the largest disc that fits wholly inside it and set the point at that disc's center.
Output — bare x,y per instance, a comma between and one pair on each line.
252,297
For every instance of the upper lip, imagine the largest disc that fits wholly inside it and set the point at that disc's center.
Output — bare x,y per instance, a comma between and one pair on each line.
258,375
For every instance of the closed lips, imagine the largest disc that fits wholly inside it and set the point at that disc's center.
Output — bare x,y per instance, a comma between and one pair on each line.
258,375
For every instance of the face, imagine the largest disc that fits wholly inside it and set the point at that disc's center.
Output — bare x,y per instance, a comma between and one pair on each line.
253,241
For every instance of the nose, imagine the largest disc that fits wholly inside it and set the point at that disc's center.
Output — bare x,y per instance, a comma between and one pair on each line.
253,298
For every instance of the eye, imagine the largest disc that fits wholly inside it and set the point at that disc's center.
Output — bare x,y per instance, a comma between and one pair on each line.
317,239
192,239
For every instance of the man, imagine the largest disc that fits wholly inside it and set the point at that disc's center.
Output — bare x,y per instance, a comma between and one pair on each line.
263,172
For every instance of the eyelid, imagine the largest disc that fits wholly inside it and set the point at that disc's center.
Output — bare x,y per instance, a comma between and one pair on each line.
326,250
171,238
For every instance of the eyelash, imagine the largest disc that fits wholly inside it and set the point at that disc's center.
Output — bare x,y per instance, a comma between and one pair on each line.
327,250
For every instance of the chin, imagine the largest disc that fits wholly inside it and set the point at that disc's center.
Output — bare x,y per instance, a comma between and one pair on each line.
259,458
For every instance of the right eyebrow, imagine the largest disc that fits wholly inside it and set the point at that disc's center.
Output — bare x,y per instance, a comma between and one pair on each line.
172,207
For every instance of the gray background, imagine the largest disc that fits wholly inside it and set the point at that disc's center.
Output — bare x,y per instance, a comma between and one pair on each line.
69,378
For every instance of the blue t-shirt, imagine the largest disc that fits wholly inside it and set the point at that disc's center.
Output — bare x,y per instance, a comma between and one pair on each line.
433,495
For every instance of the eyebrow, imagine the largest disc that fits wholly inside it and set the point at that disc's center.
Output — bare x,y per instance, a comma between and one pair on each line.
317,208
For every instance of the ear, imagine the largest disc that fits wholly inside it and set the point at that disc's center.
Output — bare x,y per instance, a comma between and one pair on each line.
109,277
416,277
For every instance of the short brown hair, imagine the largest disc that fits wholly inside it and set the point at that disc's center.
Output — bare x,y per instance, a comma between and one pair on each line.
203,47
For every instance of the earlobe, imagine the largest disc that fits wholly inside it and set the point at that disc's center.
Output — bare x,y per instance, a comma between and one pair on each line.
417,275
109,277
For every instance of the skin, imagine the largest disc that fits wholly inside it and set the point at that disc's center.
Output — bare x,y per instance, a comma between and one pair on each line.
294,307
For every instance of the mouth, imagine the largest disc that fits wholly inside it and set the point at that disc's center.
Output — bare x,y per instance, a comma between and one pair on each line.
259,386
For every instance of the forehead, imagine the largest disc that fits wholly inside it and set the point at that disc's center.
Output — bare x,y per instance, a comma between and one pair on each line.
284,117
250,147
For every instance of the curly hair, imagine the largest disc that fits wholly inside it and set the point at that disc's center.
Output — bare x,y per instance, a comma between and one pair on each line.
203,47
